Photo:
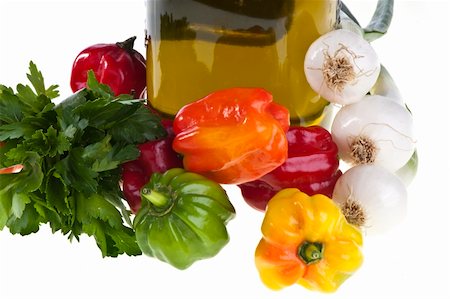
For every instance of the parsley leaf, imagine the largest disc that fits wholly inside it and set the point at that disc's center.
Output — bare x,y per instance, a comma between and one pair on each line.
37,80
141,126
11,108
102,220
99,90
19,201
95,207
76,172
16,130
56,193
26,224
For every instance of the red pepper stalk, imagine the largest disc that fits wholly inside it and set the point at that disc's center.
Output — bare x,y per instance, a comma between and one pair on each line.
156,156
312,166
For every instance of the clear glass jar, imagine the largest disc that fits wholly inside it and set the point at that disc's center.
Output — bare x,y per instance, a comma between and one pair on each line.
195,47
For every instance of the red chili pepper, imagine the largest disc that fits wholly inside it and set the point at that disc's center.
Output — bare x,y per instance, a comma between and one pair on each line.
156,156
11,169
118,65
312,166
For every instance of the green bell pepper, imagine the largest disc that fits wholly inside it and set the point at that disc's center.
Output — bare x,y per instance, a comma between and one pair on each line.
183,218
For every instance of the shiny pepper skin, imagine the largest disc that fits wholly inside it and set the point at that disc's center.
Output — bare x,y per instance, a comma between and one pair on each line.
155,156
183,218
117,65
233,135
312,166
307,240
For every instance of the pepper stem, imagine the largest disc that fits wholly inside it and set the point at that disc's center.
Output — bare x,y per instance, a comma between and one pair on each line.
156,198
128,44
310,252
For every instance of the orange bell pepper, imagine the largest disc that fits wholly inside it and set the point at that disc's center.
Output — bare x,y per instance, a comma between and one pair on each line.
306,240
232,136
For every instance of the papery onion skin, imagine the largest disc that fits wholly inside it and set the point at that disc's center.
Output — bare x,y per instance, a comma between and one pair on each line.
380,193
383,121
355,51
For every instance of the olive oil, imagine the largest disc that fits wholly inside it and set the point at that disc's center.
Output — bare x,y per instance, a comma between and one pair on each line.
198,46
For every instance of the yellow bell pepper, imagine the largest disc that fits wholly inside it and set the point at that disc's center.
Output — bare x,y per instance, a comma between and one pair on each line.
306,240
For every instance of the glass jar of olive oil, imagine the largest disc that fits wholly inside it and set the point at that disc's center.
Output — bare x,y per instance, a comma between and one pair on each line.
195,47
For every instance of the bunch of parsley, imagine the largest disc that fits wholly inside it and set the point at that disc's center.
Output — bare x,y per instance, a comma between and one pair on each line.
71,153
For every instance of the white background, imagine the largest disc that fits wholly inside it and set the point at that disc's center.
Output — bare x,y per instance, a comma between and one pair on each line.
412,261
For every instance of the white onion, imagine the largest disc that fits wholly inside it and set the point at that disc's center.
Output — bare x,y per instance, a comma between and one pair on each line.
375,130
341,66
371,197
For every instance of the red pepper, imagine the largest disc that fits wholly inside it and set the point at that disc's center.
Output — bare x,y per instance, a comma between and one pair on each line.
312,166
16,168
118,65
156,156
